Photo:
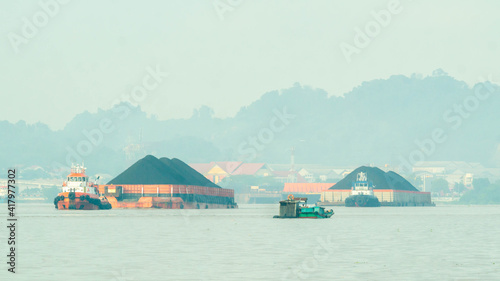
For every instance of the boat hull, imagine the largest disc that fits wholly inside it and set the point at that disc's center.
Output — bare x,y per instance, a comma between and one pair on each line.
80,201
291,208
168,197
166,203
362,201
314,216
314,213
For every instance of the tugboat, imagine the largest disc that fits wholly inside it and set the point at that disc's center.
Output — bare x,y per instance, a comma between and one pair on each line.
362,193
297,208
78,193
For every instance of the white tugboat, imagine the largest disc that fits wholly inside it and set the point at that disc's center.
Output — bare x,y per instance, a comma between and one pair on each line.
78,193
362,193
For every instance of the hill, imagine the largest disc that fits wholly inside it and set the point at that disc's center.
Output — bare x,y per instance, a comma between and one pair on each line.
380,121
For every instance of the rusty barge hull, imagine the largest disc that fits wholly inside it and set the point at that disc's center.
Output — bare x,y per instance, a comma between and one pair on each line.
168,196
80,201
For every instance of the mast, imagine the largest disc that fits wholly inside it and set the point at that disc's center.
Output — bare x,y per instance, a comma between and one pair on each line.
291,174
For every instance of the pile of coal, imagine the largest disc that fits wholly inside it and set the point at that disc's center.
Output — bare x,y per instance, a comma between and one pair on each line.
379,178
191,174
151,170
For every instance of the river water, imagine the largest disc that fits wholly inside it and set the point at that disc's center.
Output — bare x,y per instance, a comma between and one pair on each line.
387,243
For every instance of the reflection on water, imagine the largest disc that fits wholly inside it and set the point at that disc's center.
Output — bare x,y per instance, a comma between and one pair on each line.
413,243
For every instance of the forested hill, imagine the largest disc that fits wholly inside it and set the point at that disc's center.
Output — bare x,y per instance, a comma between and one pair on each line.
379,122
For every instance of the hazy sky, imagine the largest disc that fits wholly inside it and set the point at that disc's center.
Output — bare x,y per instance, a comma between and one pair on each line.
85,55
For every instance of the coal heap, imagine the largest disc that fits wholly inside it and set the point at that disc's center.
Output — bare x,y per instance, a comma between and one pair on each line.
379,178
189,173
151,170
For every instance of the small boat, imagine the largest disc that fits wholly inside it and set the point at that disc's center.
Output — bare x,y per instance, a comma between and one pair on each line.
78,193
297,208
362,193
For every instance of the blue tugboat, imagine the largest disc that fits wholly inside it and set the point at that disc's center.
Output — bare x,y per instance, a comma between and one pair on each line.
362,193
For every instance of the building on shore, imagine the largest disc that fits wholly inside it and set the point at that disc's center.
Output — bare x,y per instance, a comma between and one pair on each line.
217,171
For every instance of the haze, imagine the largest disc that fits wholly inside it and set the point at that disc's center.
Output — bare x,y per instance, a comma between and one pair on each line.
91,53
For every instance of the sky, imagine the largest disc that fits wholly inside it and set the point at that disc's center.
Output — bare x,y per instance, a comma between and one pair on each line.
170,57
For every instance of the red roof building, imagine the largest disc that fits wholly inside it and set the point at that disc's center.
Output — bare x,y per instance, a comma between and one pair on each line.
295,187
253,169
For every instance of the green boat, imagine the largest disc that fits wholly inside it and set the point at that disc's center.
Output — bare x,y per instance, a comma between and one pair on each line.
297,208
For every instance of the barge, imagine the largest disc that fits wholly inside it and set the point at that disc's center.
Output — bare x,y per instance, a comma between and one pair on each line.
167,196
166,184
390,189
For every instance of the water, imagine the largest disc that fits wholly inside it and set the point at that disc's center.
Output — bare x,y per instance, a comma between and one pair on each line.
412,243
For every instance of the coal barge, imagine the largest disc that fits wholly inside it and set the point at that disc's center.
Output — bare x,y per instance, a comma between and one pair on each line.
165,183
366,185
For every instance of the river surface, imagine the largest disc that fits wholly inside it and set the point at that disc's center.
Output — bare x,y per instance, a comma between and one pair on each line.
387,243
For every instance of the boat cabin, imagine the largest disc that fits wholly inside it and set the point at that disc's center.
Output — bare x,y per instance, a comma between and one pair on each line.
362,186
77,181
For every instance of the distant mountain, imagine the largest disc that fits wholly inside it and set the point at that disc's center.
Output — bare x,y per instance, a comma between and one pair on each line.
387,121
